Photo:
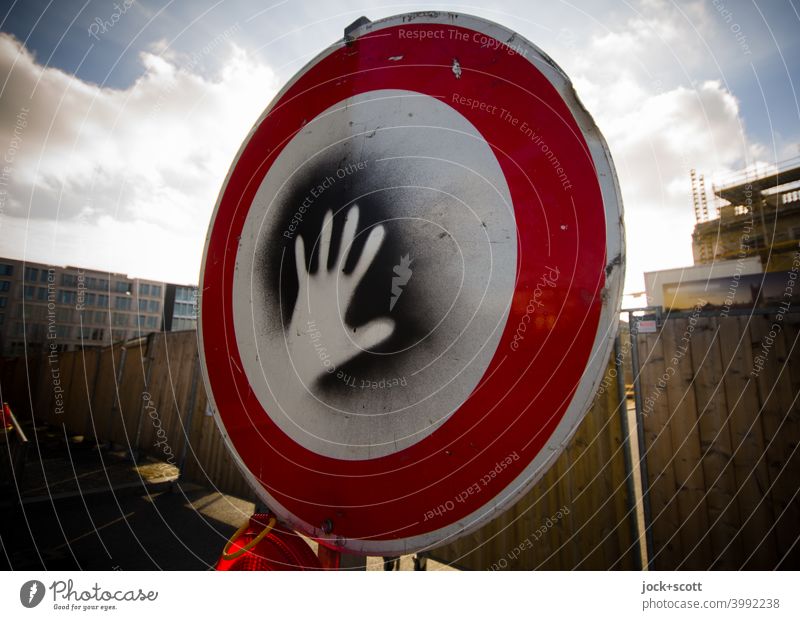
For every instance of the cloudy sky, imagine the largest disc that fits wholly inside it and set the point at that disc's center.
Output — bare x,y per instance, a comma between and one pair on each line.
117,137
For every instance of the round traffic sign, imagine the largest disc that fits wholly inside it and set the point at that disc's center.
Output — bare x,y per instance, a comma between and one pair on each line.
411,283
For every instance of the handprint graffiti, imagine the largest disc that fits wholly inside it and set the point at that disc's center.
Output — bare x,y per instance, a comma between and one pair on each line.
323,298
367,305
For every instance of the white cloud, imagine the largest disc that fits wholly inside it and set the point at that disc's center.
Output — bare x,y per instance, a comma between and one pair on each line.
123,179
658,131
133,175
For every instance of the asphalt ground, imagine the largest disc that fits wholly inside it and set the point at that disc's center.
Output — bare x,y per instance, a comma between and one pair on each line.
159,527
75,505
163,526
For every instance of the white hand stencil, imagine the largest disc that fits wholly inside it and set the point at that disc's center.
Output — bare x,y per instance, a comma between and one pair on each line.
319,339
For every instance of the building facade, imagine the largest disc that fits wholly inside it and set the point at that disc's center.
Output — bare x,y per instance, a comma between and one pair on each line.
180,308
745,243
752,214
66,308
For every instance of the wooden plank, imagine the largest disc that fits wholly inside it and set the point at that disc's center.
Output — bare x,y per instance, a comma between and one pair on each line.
756,541
777,384
92,369
189,372
715,440
66,369
22,377
528,517
582,479
609,529
162,386
105,396
208,447
499,538
41,400
588,507
579,494
549,542
690,497
131,386
155,383
198,441
180,351
575,480
787,501
80,385
775,393
658,453
562,547
621,557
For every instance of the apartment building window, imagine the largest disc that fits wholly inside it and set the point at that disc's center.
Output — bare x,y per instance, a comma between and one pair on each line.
185,309
67,297
119,319
152,322
63,331
31,274
29,292
142,305
5,285
156,290
122,303
35,331
41,294
3,302
102,301
182,324
123,287
153,306
6,270
89,299
68,279
144,289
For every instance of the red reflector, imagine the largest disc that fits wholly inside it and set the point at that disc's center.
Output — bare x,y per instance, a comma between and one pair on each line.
263,544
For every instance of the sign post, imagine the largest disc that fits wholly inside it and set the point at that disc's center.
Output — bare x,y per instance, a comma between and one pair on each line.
411,283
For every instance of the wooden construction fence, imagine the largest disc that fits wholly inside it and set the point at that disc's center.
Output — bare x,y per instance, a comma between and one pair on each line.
146,396
588,479
721,423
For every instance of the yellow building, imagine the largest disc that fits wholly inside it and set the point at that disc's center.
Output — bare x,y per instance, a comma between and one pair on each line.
752,214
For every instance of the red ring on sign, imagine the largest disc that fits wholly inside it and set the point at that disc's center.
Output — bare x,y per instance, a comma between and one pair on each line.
524,394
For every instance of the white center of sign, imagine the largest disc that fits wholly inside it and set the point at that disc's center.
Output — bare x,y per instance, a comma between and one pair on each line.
374,274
